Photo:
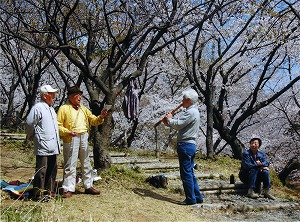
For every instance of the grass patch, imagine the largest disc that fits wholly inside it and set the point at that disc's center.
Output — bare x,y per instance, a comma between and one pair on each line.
127,176
21,213
125,196
224,166
132,152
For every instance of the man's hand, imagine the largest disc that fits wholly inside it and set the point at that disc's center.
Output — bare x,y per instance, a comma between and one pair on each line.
104,113
73,133
258,163
165,121
169,116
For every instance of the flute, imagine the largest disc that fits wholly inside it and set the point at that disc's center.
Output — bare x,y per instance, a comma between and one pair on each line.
172,112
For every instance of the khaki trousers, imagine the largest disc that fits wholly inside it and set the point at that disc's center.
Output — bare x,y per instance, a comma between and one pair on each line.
78,148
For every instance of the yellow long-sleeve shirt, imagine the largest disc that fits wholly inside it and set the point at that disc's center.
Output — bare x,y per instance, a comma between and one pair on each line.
70,120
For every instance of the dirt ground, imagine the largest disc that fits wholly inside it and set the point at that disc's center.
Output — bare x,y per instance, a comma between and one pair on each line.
138,201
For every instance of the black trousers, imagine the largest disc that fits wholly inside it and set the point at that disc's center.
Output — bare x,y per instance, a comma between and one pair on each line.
45,175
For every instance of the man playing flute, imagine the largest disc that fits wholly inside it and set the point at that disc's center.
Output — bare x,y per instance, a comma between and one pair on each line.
187,125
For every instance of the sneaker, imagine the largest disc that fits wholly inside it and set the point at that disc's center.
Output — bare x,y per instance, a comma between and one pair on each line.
92,191
67,194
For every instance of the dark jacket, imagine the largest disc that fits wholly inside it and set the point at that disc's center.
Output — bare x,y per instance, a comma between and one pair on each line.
249,162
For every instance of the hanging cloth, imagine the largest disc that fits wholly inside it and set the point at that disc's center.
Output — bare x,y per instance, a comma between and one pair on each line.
130,104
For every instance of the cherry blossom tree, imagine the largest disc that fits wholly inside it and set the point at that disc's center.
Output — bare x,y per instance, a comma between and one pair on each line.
239,62
241,56
108,41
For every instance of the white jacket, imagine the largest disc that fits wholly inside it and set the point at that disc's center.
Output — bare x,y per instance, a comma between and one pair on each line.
41,125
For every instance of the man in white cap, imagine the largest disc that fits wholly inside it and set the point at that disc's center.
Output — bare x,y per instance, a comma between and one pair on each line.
42,127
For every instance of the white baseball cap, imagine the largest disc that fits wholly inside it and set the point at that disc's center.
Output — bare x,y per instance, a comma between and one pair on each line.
47,89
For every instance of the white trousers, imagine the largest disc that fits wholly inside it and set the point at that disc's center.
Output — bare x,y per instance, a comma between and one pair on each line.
78,148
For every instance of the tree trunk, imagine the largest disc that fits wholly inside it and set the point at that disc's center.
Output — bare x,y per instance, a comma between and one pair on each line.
293,164
102,158
9,118
101,137
210,122
230,137
237,147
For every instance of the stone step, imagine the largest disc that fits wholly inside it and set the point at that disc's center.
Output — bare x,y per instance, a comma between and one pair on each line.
173,175
213,187
248,207
115,155
132,160
210,183
12,136
159,166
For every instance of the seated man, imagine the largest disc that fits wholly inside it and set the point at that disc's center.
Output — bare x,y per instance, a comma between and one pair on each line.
254,170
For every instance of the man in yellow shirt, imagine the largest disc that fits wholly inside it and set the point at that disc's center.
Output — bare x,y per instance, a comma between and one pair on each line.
74,122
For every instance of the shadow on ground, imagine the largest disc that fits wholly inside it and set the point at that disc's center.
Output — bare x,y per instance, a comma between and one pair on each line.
148,193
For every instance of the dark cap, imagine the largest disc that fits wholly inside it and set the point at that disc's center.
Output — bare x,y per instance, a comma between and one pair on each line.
74,89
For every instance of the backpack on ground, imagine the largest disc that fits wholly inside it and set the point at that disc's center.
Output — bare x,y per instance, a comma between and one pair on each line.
159,181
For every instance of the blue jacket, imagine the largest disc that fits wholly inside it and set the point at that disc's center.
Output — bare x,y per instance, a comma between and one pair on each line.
249,162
